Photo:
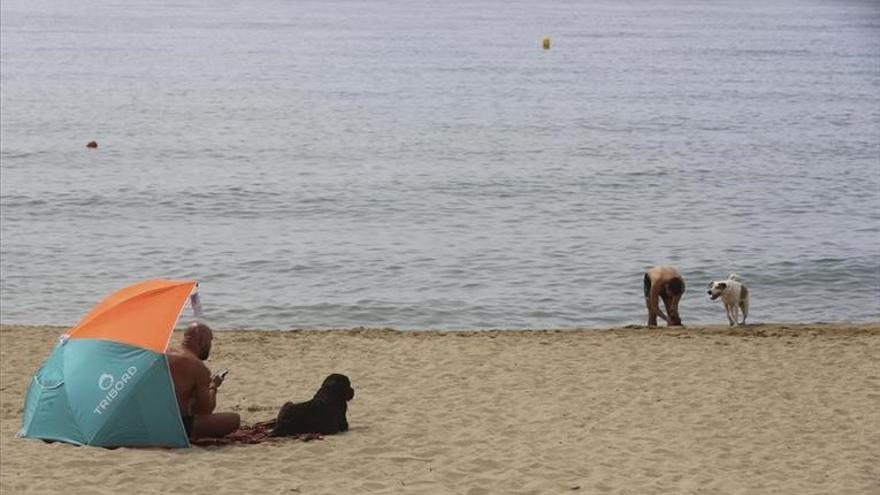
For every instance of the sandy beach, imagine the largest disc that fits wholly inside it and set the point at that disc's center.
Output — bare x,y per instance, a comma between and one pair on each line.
764,409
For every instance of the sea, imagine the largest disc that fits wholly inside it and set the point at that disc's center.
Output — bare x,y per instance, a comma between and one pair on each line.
428,165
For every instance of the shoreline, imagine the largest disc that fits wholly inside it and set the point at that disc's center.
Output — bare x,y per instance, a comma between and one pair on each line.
781,408
711,329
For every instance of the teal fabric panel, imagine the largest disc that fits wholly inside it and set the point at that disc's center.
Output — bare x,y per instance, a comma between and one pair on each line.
52,366
158,403
149,415
99,377
47,409
31,399
52,419
100,392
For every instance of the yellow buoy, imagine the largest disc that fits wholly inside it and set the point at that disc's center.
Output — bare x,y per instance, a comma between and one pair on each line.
545,42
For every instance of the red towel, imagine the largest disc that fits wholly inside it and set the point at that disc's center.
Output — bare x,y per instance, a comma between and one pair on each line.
255,433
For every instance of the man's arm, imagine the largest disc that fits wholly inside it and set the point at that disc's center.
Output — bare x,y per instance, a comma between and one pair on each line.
656,290
206,392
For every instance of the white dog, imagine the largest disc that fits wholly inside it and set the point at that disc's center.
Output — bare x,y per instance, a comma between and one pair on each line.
735,296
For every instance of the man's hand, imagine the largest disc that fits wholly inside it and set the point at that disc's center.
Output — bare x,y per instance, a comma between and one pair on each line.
217,379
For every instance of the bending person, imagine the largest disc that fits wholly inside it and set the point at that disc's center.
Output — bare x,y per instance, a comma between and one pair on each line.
195,388
663,282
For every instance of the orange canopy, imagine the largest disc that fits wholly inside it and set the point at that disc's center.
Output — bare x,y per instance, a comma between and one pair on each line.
143,314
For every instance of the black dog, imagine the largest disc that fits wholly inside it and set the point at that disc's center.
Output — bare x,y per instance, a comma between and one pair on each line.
324,414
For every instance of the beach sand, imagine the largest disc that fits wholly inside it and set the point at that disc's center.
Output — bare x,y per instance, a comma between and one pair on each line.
764,409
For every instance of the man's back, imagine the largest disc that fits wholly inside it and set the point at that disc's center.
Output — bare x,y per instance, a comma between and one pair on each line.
187,373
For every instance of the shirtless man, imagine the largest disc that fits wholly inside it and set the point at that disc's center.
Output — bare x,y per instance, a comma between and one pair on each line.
195,388
663,282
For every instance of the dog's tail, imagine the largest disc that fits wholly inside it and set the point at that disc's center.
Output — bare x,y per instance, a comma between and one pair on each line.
732,276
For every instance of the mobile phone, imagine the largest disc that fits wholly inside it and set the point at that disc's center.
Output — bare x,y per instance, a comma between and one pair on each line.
222,372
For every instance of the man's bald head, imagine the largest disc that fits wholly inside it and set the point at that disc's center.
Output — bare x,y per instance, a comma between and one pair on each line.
197,339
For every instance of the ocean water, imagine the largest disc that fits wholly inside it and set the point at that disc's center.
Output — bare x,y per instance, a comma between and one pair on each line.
426,165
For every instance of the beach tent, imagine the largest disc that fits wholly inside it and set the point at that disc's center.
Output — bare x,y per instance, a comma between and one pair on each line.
107,381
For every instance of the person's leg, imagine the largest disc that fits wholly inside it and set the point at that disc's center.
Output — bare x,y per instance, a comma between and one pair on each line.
215,425
671,302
